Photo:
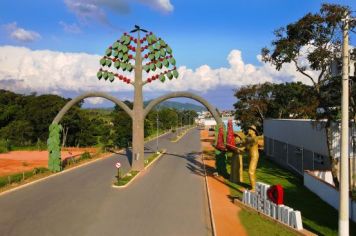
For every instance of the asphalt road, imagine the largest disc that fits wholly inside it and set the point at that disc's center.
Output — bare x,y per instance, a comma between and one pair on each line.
168,199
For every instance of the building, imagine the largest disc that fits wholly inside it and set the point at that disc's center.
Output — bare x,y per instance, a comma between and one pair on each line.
301,144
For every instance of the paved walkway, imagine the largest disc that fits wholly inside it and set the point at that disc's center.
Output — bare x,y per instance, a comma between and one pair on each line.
225,213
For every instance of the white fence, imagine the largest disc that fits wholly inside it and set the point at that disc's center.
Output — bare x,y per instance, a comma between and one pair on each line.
326,191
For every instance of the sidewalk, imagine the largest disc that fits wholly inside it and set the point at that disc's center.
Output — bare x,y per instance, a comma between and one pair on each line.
225,213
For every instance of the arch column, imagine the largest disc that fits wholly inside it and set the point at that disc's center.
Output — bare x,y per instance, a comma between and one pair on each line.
213,110
75,100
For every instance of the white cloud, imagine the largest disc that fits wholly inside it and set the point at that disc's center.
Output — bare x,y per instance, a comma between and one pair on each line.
161,5
95,101
96,9
70,28
20,34
44,71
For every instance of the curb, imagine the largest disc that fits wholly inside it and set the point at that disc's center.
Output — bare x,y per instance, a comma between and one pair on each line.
209,201
53,175
145,168
67,170
185,132
128,183
161,154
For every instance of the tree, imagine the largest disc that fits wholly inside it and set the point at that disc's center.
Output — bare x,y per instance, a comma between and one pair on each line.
122,122
18,132
293,100
311,44
252,105
154,55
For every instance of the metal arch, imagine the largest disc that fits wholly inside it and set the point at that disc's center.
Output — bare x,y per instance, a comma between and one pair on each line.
214,111
75,100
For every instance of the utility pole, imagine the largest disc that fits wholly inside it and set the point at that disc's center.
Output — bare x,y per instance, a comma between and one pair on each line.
157,134
344,162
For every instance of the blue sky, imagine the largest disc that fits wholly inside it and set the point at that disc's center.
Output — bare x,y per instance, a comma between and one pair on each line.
200,32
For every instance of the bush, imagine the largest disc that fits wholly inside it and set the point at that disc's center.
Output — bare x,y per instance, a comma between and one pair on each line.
40,145
85,156
4,146
16,178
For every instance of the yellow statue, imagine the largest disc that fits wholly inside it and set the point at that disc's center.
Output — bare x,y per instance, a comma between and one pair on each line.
237,161
252,146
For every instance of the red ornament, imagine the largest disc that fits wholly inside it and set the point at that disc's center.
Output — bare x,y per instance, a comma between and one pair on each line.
275,194
220,143
144,39
141,41
230,139
121,77
135,40
149,80
146,56
128,81
131,38
130,56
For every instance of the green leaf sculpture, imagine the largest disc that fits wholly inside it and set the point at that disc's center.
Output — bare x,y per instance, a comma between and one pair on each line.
54,148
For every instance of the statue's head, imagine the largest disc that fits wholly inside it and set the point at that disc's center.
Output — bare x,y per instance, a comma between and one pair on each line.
238,137
252,130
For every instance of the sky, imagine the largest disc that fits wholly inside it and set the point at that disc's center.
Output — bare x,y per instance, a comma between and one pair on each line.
55,46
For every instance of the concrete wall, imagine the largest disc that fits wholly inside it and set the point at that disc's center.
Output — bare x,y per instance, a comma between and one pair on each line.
327,192
307,134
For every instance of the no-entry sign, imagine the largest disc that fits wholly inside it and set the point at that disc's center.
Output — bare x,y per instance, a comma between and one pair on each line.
118,165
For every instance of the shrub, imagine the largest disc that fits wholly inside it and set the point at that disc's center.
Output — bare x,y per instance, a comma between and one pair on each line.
4,146
40,145
85,155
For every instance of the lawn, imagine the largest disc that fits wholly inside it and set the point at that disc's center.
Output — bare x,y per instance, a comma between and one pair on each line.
254,225
152,157
127,178
317,215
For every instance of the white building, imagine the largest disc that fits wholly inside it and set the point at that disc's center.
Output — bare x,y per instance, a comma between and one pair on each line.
301,144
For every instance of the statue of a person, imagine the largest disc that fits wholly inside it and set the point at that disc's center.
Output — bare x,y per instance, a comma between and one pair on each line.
237,161
252,146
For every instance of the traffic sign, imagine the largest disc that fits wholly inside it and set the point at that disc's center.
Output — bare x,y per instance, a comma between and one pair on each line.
118,165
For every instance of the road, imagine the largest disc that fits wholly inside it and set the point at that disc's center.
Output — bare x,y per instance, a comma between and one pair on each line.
167,199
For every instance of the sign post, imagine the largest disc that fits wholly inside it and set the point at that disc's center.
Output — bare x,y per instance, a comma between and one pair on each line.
118,165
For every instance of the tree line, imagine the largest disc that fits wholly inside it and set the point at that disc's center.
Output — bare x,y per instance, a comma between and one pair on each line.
313,45
24,122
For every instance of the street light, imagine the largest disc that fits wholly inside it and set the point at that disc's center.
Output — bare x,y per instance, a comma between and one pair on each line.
157,133
344,162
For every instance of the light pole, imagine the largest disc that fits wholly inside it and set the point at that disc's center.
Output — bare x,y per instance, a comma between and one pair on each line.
157,133
344,162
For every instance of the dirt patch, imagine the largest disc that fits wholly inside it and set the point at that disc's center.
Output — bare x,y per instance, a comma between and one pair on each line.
21,161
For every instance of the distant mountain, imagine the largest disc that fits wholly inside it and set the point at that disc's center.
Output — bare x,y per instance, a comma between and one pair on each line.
179,106
165,104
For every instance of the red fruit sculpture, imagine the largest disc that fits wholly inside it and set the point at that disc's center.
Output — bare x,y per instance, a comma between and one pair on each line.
220,143
230,139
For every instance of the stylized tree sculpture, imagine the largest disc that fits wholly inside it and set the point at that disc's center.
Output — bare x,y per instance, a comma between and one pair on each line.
149,54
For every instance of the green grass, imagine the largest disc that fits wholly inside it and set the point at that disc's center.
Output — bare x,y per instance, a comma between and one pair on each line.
152,157
256,225
317,215
154,135
127,178
19,177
